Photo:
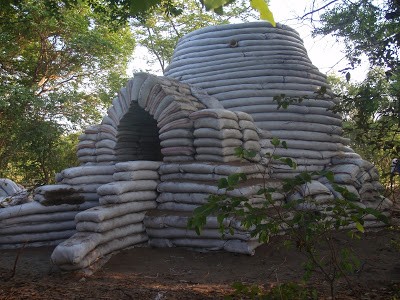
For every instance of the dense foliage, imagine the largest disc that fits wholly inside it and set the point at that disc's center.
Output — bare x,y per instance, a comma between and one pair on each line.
371,108
57,73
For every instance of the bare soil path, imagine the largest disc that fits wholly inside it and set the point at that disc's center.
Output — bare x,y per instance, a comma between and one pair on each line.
174,273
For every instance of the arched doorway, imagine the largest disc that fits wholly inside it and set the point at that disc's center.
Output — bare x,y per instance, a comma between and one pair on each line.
137,137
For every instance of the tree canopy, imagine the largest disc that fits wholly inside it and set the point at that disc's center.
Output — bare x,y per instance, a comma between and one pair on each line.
57,72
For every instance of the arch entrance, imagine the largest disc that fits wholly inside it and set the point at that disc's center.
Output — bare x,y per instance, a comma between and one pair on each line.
137,136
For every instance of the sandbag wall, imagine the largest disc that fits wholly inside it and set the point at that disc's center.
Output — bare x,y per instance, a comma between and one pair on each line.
185,186
34,225
118,222
97,145
250,67
49,219
245,66
218,132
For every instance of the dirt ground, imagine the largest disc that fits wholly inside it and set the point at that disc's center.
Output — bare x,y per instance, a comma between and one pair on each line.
174,273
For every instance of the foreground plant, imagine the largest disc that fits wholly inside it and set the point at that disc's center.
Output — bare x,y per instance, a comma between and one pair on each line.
308,224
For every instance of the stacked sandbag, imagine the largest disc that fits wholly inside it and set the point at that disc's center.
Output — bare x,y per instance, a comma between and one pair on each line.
96,145
247,67
168,230
78,183
219,132
186,186
361,178
118,222
33,224
12,194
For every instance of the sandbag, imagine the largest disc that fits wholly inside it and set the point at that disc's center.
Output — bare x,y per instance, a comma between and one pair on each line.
217,134
110,224
213,142
104,249
105,212
87,170
216,124
128,197
136,175
214,113
120,187
137,165
74,250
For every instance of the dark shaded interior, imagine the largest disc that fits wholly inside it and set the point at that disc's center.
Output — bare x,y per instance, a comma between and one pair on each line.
137,137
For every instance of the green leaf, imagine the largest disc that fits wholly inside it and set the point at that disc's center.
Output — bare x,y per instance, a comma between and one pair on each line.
265,13
223,183
275,141
360,227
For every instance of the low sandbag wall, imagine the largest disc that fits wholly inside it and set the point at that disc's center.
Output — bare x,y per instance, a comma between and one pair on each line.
49,219
33,224
186,186
219,132
118,222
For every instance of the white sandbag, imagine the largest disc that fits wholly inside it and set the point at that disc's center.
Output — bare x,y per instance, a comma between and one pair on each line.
174,206
216,124
212,142
136,175
178,158
178,151
244,124
128,197
137,165
201,168
243,116
184,123
217,134
34,227
105,212
106,143
177,142
88,179
252,145
36,208
103,158
53,188
87,170
39,218
191,176
35,237
9,186
106,248
74,250
176,133
110,224
188,187
351,169
120,187
242,247
204,98
216,158
214,113
225,151
86,144
250,135
190,198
